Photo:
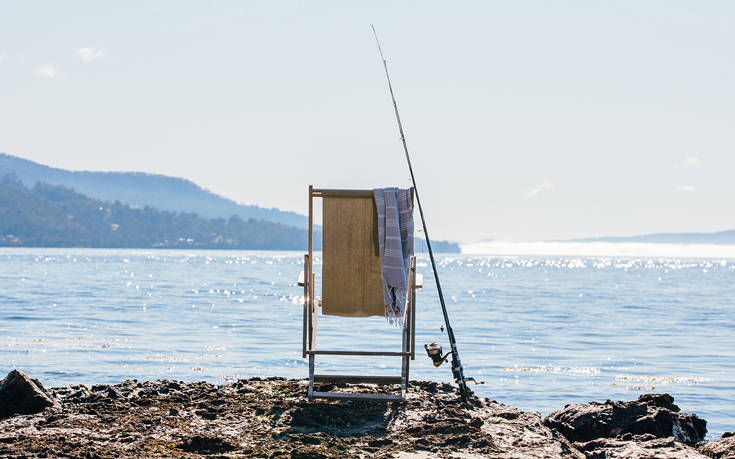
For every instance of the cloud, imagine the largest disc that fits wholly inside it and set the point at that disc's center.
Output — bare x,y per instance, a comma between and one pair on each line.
3,57
686,188
534,192
46,71
692,161
90,54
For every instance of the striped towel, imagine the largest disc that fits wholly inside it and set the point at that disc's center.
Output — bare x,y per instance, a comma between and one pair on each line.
395,241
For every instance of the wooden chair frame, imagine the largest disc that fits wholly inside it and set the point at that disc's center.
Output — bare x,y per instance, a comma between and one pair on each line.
408,345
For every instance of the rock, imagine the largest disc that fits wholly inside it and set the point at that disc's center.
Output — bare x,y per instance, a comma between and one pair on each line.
105,390
637,448
272,418
20,394
722,448
653,414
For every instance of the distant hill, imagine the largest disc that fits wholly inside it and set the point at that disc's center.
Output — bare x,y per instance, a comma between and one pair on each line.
55,216
419,246
721,237
140,189
162,193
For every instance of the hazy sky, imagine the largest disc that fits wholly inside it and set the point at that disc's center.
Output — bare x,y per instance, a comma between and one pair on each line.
526,120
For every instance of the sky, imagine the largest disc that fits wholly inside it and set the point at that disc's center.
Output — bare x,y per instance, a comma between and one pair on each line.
526,120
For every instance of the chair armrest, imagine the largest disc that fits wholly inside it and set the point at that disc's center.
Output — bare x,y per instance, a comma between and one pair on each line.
419,280
301,279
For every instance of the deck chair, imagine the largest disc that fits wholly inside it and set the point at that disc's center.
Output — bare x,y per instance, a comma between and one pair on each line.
352,286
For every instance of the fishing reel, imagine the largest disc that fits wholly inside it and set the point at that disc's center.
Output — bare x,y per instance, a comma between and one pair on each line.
434,351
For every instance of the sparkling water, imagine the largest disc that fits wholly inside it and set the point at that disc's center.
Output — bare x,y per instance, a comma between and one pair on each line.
540,331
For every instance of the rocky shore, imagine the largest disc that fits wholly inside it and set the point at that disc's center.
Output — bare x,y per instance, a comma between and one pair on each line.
271,418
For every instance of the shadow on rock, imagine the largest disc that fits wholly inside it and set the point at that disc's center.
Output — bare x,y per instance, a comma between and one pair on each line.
343,418
207,445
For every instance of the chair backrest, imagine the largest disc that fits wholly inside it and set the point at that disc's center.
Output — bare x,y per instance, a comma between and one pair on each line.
352,285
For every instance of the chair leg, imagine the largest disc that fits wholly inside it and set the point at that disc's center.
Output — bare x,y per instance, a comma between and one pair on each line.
307,285
404,377
409,342
408,364
404,361
310,391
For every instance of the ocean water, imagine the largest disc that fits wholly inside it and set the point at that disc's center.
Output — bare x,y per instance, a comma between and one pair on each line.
540,331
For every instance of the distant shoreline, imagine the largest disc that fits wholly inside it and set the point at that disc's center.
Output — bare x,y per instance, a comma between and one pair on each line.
600,249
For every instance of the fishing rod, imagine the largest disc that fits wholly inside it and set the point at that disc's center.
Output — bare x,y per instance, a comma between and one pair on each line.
434,351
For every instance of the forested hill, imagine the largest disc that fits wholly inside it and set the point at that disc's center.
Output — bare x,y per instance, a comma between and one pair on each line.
55,216
140,189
